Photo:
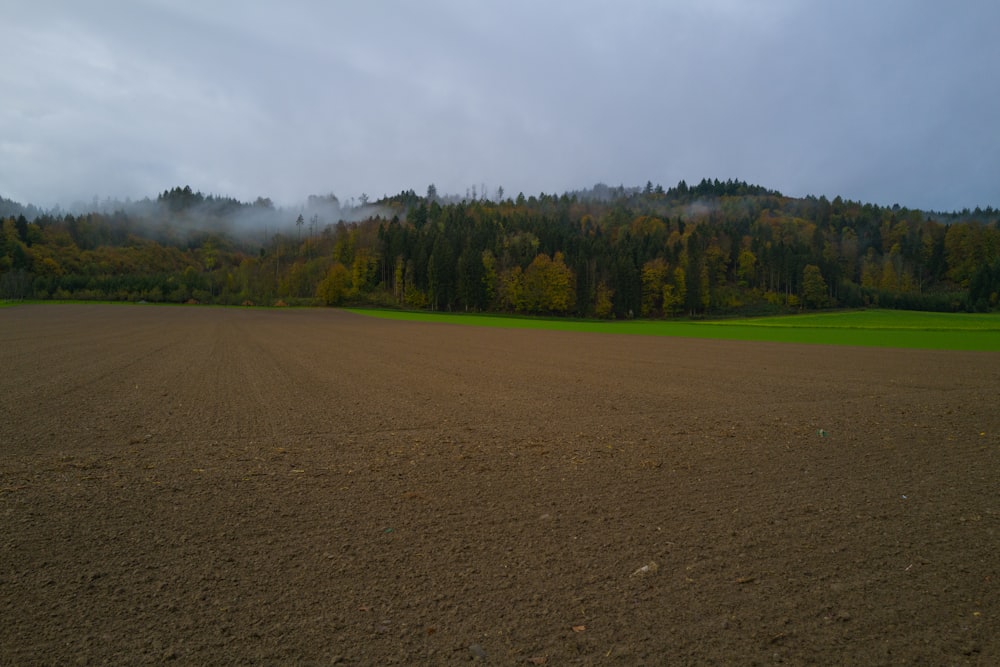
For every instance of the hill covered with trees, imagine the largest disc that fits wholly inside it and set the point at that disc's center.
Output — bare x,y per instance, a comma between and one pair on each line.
715,248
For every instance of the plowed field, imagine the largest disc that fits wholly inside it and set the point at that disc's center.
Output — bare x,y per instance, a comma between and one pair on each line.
216,486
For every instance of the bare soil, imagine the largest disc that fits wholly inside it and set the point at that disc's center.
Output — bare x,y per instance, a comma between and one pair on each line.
235,486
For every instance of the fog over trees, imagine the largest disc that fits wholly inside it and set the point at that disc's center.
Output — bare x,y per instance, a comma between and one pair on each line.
711,249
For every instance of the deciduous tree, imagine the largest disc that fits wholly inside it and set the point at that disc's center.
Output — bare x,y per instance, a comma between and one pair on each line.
654,275
333,288
814,289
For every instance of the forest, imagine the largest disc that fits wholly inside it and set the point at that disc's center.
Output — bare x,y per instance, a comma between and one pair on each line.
718,248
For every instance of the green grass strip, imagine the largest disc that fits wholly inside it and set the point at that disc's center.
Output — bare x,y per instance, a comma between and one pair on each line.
869,328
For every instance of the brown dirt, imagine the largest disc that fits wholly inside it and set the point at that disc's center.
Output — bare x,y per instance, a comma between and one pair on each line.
218,486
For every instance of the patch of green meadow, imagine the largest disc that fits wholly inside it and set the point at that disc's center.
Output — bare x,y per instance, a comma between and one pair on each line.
865,328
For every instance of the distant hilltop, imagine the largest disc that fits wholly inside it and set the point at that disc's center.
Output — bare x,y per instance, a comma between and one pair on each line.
713,249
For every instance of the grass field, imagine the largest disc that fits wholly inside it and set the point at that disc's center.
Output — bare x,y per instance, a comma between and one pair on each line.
867,328
864,328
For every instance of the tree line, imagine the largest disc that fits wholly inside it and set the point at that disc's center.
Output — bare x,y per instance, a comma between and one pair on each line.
714,248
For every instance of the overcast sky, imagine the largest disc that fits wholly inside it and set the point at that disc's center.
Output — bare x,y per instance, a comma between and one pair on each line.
883,101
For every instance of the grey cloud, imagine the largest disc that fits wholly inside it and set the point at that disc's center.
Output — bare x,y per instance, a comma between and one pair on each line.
883,101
